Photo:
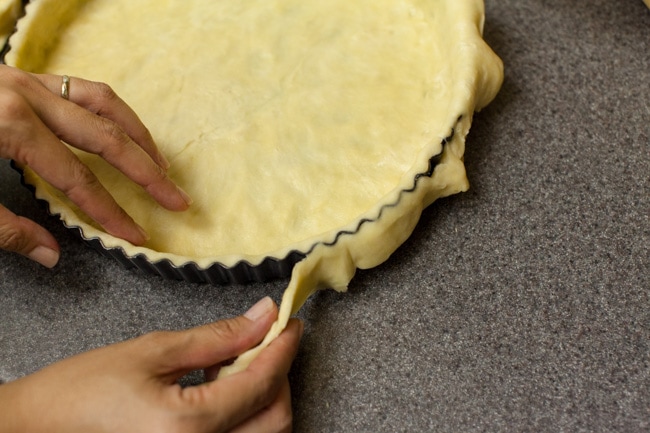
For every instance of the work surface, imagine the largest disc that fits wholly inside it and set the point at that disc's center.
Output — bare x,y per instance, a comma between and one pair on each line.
520,305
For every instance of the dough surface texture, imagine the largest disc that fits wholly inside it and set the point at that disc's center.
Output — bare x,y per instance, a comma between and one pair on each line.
9,12
310,126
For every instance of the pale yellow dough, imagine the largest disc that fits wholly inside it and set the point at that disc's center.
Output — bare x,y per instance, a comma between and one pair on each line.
9,12
287,121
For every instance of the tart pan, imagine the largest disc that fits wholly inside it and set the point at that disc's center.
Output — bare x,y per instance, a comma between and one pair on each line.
375,231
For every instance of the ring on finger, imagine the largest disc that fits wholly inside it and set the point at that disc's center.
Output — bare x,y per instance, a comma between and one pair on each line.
65,87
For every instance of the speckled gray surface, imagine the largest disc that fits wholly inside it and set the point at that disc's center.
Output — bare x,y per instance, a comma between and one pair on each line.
521,305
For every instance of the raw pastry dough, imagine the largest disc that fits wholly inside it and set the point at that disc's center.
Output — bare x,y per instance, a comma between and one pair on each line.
315,126
9,12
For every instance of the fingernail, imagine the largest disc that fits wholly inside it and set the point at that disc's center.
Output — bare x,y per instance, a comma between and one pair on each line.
45,256
260,309
186,198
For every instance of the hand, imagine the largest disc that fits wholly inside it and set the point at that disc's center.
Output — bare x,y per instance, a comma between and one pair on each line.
131,386
35,119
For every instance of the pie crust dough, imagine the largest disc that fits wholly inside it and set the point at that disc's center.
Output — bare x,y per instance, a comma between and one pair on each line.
9,12
295,125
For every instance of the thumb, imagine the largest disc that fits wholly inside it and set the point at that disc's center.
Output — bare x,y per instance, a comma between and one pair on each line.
23,236
207,346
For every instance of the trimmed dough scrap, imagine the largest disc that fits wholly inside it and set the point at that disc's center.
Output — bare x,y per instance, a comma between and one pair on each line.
293,124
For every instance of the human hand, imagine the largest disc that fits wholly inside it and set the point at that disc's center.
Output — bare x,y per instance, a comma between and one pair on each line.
35,119
131,386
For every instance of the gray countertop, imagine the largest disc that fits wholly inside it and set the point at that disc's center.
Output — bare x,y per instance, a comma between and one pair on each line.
520,305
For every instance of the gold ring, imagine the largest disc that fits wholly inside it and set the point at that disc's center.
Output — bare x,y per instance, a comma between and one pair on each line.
65,87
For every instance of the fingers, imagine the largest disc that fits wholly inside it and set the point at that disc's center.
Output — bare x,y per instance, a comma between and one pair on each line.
256,396
244,394
99,98
96,120
23,236
276,418
120,387
34,118
214,343
30,142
